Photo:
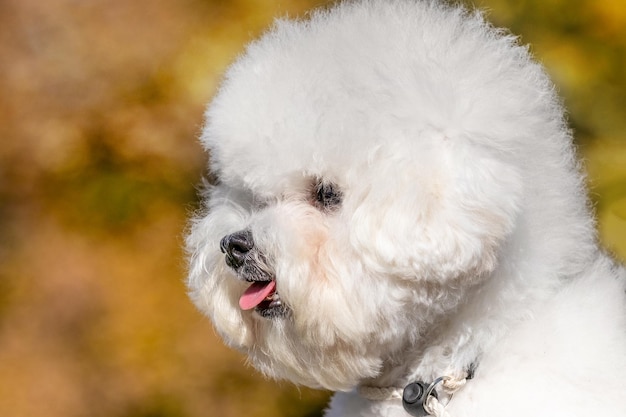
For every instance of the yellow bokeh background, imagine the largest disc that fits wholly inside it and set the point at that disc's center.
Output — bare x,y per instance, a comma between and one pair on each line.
101,103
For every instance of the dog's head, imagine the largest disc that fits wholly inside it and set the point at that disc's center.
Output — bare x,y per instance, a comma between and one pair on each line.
366,179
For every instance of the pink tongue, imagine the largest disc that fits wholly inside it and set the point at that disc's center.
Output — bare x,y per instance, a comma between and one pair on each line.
256,293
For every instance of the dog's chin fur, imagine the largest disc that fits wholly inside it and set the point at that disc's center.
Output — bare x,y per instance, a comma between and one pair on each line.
461,233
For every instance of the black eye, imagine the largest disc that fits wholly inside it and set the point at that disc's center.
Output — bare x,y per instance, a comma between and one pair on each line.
326,195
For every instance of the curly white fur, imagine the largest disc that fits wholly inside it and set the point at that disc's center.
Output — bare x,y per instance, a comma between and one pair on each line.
463,235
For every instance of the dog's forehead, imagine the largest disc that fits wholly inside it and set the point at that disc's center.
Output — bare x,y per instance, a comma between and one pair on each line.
350,82
305,96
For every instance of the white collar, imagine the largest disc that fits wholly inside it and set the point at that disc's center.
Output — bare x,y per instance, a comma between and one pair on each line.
421,398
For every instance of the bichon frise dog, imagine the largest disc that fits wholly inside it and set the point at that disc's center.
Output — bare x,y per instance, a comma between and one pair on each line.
399,216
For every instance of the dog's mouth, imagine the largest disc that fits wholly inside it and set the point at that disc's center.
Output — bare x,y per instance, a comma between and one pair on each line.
264,299
251,266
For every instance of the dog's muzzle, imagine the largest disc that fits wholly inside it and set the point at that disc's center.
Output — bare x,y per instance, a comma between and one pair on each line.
250,265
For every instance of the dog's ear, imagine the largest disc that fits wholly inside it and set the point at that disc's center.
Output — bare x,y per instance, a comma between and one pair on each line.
439,213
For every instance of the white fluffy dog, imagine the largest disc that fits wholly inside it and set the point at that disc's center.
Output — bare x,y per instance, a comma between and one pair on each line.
398,204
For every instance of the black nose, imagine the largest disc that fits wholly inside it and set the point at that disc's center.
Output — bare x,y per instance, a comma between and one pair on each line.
236,246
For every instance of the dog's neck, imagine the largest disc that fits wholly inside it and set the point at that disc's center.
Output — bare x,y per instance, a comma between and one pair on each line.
451,346
454,344
453,358
440,366
398,382
447,347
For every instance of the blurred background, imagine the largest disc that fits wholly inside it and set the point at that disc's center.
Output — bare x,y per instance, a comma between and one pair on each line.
101,103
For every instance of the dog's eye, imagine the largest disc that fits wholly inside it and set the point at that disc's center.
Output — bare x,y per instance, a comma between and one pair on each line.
326,195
